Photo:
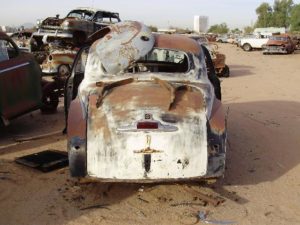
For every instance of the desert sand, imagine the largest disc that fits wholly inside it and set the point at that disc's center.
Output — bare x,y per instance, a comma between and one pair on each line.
261,184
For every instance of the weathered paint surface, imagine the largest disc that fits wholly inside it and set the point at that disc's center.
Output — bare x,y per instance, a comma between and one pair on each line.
114,154
115,101
57,58
20,84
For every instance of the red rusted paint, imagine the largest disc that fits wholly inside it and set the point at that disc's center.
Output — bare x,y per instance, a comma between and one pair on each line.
217,119
178,42
76,122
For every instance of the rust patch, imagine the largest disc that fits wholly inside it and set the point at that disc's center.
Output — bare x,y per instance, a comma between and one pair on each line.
127,98
178,42
76,122
100,122
217,119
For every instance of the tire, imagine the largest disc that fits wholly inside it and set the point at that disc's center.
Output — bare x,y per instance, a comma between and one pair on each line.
247,47
220,41
63,70
226,71
50,98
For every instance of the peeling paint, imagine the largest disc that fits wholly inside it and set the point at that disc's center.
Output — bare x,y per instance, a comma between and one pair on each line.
147,125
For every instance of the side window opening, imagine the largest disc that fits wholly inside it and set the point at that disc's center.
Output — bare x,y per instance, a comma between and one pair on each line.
7,50
79,70
3,51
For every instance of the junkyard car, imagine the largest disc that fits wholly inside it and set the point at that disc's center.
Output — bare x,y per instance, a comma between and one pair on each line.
20,81
74,28
222,39
253,42
279,44
22,39
146,109
222,70
59,62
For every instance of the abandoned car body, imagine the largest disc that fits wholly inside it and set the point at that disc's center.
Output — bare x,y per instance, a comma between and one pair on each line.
20,81
59,62
74,28
279,44
146,109
56,42
22,39
222,70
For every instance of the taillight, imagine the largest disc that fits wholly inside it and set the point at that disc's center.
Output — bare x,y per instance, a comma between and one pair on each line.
147,125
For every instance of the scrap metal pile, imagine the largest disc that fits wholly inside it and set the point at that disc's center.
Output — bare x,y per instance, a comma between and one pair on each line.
57,40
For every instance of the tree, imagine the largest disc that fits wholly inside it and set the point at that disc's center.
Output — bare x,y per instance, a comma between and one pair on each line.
282,13
153,28
248,30
265,14
295,18
219,29
276,16
181,30
236,31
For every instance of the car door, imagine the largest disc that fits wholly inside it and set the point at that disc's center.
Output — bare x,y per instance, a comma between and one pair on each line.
76,76
20,81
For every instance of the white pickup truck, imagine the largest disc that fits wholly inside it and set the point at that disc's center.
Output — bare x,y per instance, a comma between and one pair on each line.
250,43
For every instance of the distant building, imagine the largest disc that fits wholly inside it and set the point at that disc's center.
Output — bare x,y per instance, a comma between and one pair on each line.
200,24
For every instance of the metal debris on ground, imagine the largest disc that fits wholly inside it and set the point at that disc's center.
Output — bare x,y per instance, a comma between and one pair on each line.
45,161
98,206
214,200
188,204
202,216
41,136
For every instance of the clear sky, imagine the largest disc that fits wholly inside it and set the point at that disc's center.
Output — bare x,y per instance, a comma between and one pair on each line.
161,13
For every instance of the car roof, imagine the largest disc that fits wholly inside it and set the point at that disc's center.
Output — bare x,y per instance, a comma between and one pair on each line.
94,10
177,42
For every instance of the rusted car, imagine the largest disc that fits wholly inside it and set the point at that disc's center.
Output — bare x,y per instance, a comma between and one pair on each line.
22,39
142,108
222,70
20,83
74,28
59,62
279,44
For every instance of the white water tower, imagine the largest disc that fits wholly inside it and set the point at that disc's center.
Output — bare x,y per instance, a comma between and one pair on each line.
200,24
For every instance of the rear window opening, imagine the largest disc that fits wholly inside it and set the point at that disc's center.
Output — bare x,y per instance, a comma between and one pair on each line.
162,60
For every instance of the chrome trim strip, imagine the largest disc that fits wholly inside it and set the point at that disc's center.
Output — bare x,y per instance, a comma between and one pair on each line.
14,67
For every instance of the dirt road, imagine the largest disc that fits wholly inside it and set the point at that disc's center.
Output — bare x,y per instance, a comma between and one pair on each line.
261,184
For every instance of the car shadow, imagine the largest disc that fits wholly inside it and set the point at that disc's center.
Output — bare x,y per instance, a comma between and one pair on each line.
263,141
240,70
29,126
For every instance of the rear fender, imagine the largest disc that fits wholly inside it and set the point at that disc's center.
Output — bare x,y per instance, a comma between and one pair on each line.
217,141
76,136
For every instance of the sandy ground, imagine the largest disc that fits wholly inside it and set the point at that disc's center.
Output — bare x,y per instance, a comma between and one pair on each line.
261,184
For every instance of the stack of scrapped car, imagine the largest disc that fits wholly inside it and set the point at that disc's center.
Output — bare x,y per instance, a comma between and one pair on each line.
222,70
142,108
56,42
279,44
